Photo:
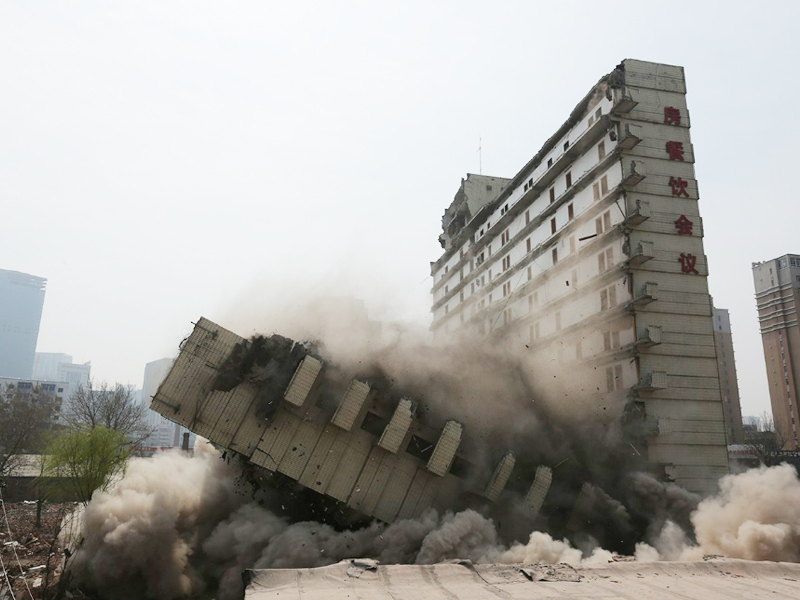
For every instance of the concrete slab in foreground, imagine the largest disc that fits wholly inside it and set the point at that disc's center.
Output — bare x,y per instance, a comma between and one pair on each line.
716,579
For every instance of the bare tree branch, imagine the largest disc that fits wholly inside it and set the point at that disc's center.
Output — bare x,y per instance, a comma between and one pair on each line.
114,408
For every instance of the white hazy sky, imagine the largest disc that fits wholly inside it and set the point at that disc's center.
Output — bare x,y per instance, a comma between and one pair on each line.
160,161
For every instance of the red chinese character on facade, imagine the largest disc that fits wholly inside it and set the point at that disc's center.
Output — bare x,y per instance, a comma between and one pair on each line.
672,116
684,226
675,150
688,263
678,186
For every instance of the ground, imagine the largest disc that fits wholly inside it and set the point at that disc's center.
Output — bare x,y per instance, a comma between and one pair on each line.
21,540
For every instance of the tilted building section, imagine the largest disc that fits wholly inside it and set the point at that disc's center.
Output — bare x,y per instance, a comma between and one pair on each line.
591,258
271,401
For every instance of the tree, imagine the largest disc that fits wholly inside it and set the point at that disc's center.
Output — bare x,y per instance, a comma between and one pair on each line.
86,460
26,418
767,443
114,408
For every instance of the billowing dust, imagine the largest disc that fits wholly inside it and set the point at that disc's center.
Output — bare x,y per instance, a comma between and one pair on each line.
178,526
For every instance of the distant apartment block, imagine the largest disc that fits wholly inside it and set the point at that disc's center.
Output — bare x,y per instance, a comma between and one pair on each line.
21,302
777,285
166,433
591,259
729,385
57,366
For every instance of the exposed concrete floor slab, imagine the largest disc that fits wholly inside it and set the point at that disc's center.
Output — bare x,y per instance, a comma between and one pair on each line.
715,579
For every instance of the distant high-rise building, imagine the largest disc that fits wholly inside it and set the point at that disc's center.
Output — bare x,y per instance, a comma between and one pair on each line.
591,259
57,366
21,302
166,433
729,386
777,284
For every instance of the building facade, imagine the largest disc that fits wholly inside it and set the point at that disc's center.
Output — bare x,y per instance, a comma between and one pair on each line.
21,302
165,434
729,384
57,366
777,285
589,263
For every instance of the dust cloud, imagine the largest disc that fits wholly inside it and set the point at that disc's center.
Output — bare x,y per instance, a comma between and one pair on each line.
178,526
187,526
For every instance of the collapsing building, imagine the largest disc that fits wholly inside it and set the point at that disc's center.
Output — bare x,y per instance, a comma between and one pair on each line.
277,405
592,255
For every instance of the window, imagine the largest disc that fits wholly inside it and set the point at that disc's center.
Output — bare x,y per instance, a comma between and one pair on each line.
572,244
528,245
552,194
595,192
612,296
530,182
507,316
553,225
506,289
490,298
461,274
490,274
530,304
603,300
601,150
534,332
610,379
606,341
530,273
591,120
601,262
549,162
615,339
488,188
609,256
472,288
558,321
555,255
527,217
461,296
574,277
504,210
505,237
536,298
604,185
570,212
446,289
566,145
446,268
607,220
569,179
599,113
507,262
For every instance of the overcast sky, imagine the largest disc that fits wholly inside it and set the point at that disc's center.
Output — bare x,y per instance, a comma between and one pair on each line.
160,161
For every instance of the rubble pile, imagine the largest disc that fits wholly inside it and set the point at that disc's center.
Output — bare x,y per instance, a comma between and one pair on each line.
38,549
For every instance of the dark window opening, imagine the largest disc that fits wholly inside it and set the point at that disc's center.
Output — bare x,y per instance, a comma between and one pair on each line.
422,449
461,468
374,424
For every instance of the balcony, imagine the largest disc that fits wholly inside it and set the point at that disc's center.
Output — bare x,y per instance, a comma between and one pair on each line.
642,253
638,215
654,380
633,172
631,135
647,293
651,337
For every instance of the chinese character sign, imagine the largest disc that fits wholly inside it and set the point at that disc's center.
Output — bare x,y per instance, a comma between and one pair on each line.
672,116
678,186
684,225
675,150
688,263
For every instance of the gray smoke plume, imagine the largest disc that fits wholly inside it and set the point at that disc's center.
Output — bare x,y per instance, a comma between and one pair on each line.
179,526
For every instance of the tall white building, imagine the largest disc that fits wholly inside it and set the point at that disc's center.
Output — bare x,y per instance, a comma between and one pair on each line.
589,262
57,366
166,433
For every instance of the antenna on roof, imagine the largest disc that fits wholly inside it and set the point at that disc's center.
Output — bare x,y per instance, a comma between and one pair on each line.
480,157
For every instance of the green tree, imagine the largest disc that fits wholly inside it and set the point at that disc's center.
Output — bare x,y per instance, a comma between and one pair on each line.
83,461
